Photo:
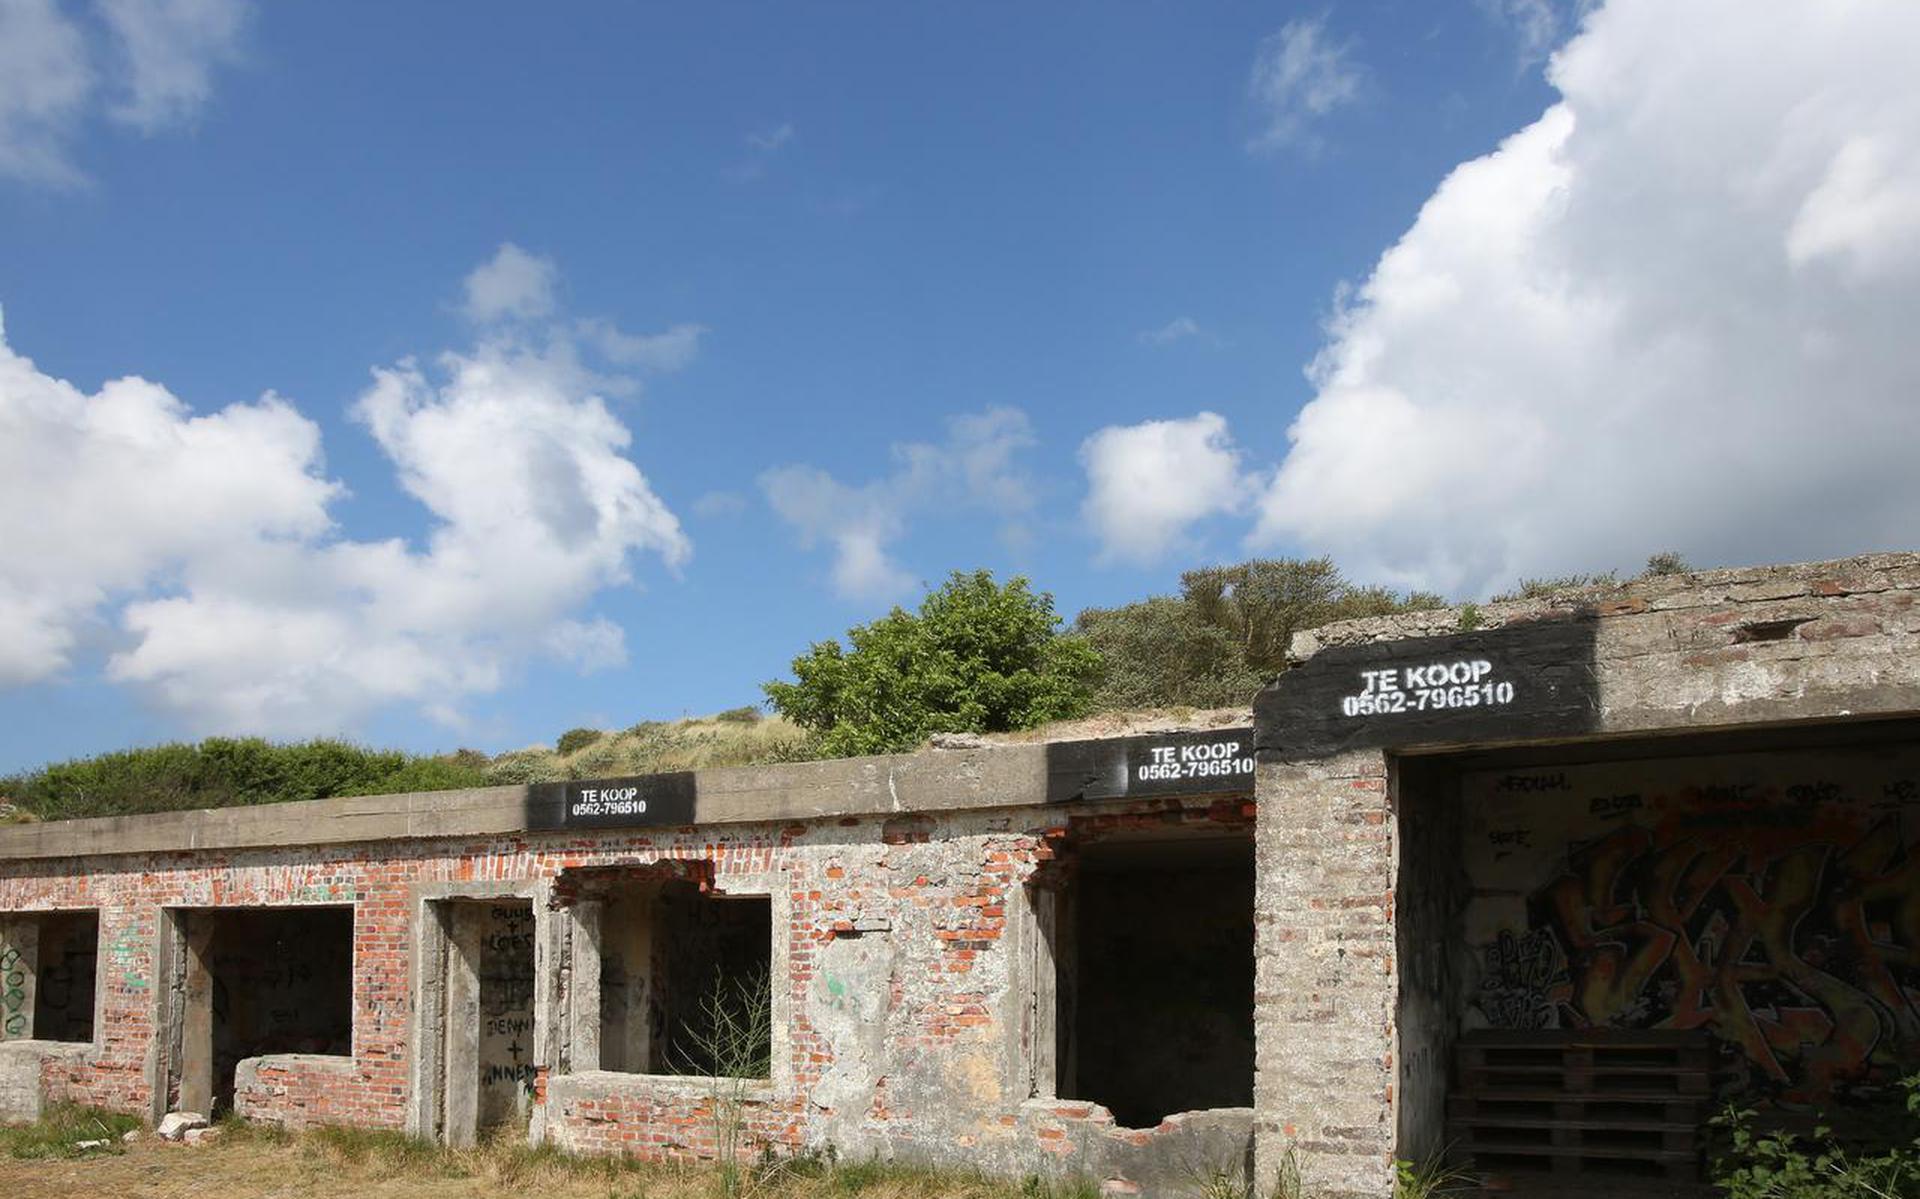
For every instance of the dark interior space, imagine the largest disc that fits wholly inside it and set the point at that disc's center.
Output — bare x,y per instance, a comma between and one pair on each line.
64,984
685,981
281,982
1155,988
1604,944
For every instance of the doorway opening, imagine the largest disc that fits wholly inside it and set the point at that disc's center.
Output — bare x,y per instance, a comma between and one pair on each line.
1151,942
249,982
477,1021
1602,944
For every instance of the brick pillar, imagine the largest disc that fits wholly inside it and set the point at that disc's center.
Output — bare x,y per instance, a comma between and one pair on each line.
1324,987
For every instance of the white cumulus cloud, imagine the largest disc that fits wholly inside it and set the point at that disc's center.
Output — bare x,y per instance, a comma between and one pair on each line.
102,494
1673,313
239,605
975,467
1148,484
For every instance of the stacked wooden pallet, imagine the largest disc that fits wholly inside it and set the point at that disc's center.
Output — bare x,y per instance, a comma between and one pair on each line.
1582,1101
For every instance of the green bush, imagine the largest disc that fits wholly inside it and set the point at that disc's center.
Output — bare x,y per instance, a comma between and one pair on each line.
1159,653
976,657
1226,633
450,773
574,740
749,714
225,772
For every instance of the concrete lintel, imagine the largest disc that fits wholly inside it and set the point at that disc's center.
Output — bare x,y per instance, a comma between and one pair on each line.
928,781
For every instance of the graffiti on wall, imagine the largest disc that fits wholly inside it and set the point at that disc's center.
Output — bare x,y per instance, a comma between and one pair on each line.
14,998
1782,916
506,979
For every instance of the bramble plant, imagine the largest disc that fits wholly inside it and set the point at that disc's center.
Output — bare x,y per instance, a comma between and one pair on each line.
1781,1165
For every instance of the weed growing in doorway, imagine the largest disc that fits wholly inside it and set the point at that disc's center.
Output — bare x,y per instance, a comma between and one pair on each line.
1781,1165
1430,1178
731,1044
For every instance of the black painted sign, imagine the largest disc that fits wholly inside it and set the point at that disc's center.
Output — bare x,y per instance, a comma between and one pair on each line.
648,799
1508,684
1218,761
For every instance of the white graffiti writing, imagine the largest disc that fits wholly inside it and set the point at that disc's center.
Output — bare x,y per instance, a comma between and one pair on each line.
609,801
1210,759
1432,687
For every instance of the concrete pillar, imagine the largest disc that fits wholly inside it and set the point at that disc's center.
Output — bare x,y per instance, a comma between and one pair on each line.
196,1018
461,1057
580,1038
19,966
1324,989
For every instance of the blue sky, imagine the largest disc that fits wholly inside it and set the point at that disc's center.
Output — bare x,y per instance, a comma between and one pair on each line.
1081,255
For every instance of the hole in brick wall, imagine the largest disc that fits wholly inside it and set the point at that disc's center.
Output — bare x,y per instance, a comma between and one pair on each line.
278,980
1154,976
48,965
685,982
1768,630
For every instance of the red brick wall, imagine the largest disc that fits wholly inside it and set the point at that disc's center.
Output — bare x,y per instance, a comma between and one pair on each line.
943,889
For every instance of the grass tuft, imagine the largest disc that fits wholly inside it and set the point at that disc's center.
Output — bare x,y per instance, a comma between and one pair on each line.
61,1131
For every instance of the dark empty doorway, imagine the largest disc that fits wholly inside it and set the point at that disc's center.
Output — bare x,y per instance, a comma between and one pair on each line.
684,981
1155,983
258,981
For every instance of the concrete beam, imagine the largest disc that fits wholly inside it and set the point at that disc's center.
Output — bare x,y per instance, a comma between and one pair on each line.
929,781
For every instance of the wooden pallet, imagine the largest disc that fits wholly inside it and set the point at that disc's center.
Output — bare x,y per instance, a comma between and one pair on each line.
1582,1102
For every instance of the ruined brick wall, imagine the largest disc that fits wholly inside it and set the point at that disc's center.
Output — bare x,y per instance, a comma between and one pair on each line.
900,951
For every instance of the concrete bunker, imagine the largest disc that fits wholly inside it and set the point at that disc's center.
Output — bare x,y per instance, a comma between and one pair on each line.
1602,944
1151,938
254,982
49,967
